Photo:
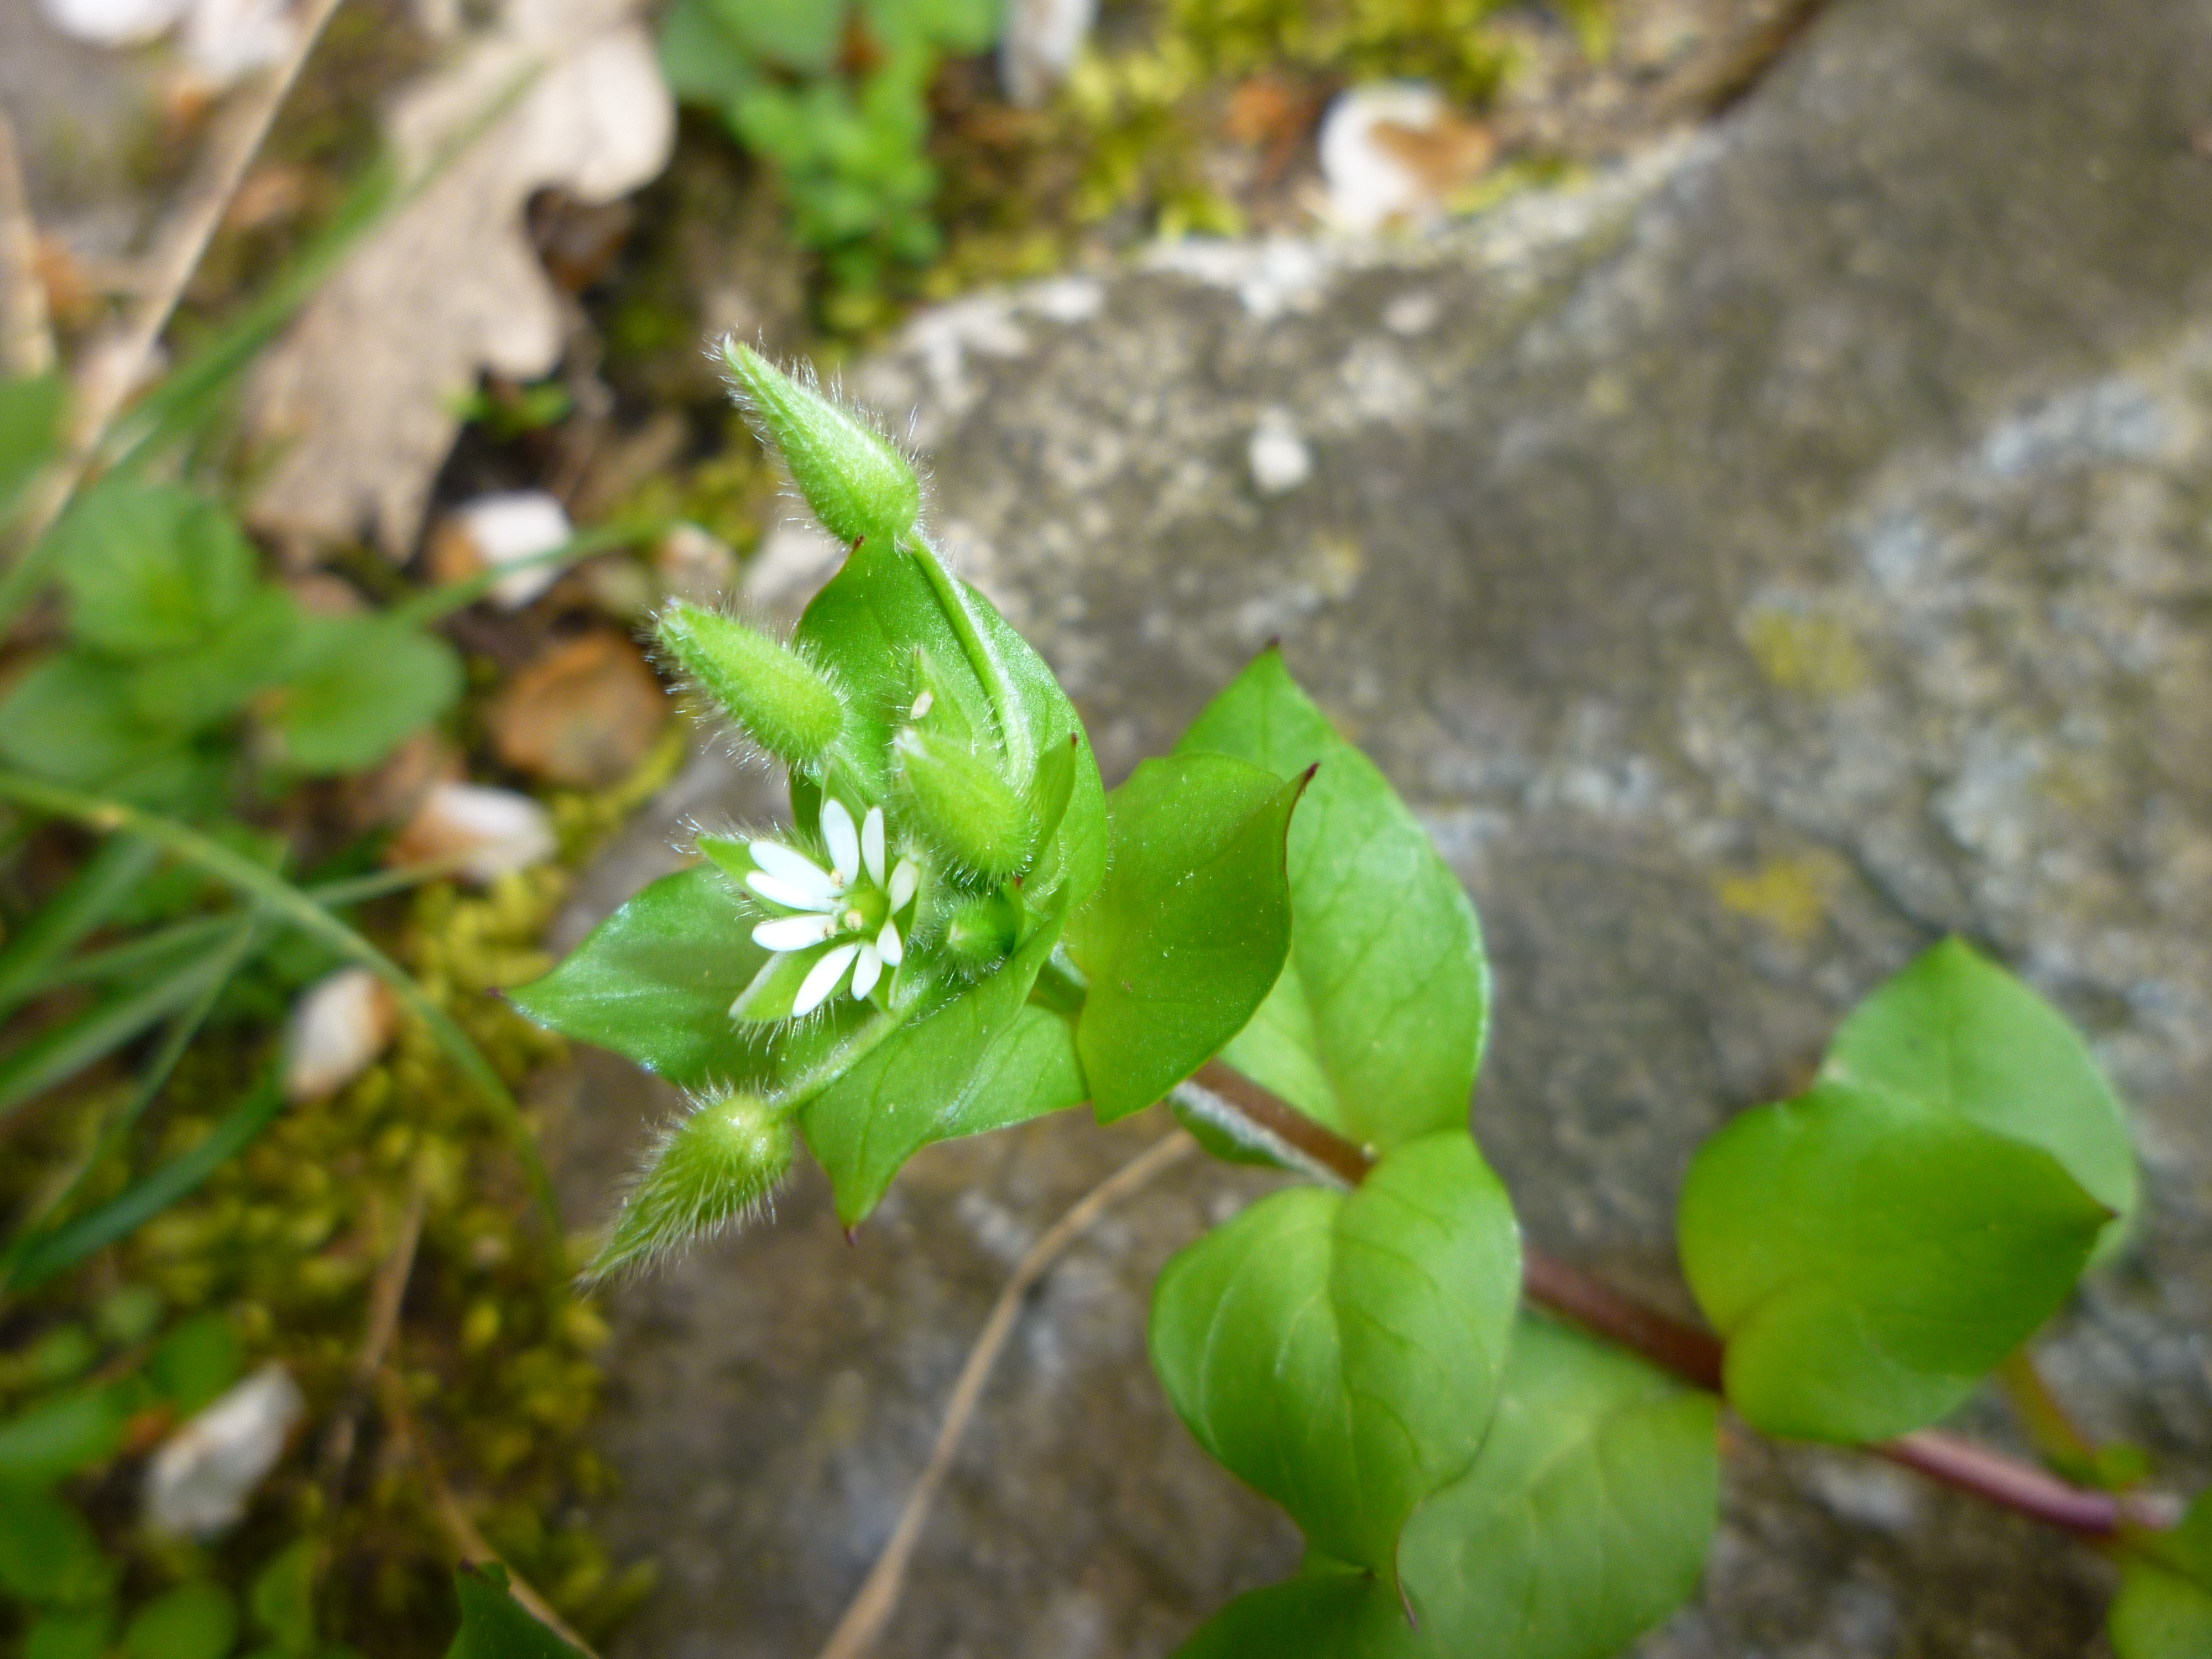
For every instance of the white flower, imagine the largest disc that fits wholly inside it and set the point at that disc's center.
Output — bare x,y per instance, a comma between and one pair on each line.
848,912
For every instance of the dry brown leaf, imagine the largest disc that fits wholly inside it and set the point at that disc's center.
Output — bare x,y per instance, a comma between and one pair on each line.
583,716
359,395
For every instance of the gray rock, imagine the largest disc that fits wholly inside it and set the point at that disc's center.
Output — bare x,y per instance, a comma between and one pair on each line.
1752,565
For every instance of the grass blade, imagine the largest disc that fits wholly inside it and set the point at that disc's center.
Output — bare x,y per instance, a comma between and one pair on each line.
80,907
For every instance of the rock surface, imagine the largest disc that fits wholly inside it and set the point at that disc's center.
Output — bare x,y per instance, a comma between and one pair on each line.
1752,565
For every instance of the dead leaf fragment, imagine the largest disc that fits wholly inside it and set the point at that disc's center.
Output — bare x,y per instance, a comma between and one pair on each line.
583,716
360,394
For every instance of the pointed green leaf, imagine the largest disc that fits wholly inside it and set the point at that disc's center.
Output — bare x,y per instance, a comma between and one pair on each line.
1029,1071
2164,1609
1342,1353
1868,1258
494,1624
1958,1032
1376,1026
1191,927
928,1080
1586,1518
655,981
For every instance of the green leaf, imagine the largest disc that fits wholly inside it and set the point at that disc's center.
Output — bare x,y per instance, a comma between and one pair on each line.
151,568
1868,1258
74,1633
1376,1026
48,1555
195,1362
198,1620
2164,1609
924,1082
1191,927
1586,1518
1030,1070
71,718
282,1600
654,981
495,1625
366,683
883,610
190,691
797,35
1958,1032
1322,1613
31,413
59,1435
701,58
1342,1353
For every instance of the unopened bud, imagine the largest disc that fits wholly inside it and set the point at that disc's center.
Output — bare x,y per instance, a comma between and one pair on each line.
781,699
855,480
709,1172
963,806
980,933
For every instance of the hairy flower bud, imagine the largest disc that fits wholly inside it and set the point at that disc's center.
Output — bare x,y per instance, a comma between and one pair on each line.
851,476
962,805
781,699
709,1171
980,933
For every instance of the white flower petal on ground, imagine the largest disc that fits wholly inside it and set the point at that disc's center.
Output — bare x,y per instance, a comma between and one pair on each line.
198,1482
867,969
339,1025
905,880
489,833
889,946
512,524
820,983
872,844
790,897
794,933
794,869
843,840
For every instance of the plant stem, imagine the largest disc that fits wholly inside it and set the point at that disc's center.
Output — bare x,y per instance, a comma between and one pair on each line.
1695,1355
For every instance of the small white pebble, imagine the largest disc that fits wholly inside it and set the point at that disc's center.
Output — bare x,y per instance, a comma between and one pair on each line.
1414,314
493,832
113,22
512,524
339,1025
1279,458
198,1482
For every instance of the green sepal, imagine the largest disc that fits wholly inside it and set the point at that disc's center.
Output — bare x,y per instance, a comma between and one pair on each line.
1342,1353
714,1166
770,997
785,703
962,807
857,483
654,981
1868,1258
1191,927
1376,1025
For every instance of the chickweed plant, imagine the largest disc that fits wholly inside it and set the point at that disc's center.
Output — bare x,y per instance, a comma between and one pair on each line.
1489,1454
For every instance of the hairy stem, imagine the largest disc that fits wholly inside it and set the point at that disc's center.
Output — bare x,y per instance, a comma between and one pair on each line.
1695,1355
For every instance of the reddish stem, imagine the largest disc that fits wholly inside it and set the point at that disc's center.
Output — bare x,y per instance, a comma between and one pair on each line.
1695,1355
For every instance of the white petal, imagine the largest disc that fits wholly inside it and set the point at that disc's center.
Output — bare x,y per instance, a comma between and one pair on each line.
815,989
788,865
905,880
867,969
872,844
790,897
794,933
844,842
888,944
